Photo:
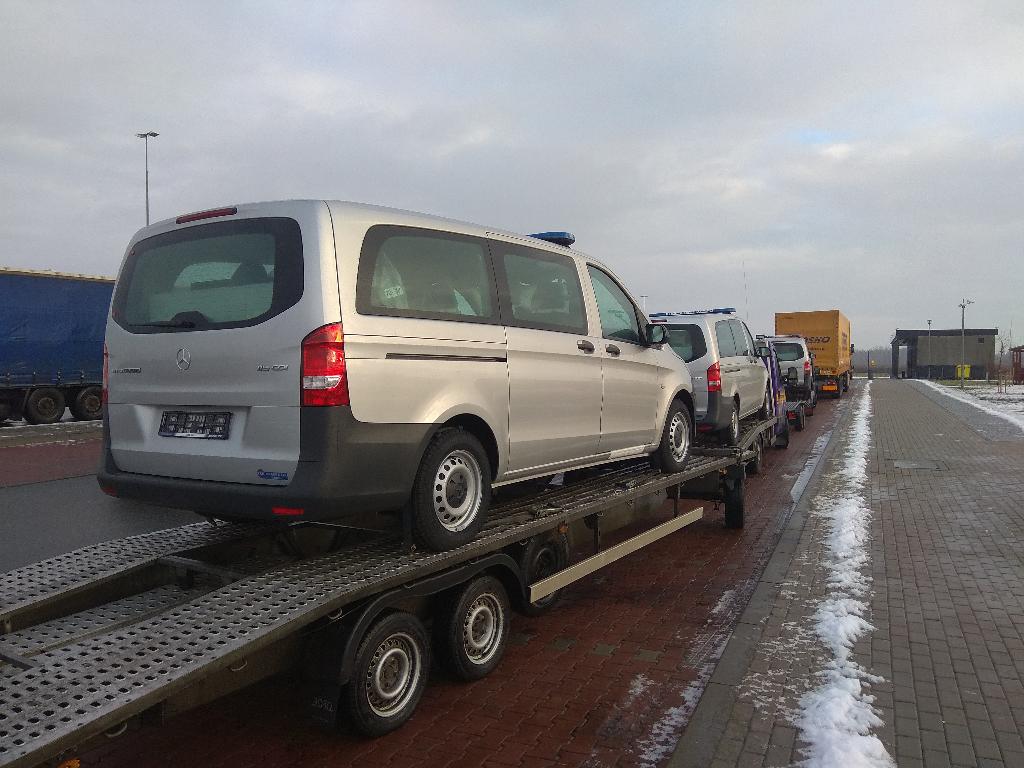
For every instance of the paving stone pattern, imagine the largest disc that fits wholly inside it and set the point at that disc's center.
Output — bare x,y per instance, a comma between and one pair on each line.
947,605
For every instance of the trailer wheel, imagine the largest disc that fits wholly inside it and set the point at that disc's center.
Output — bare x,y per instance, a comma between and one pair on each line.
812,401
542,556
389,675
782,438
676,437
44,406
88,405
452,491
734,502
472,640
754,465
801,419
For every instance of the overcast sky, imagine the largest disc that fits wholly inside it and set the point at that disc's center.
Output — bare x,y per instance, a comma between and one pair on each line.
865,156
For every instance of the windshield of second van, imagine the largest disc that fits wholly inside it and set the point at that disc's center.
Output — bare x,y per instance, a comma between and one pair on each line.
687,340
221,275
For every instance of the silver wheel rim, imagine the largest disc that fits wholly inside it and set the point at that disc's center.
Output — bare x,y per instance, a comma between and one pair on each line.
393,674
458,490
678,437
734,425
482,629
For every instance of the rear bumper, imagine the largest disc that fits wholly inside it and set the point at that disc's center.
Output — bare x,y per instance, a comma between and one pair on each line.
348,471
716,417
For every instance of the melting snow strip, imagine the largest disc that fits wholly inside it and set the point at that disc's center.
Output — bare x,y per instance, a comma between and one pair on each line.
1010,416
837,717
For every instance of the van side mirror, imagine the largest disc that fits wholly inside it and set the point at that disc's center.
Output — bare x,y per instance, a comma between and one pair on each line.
851,349
762,350
656,334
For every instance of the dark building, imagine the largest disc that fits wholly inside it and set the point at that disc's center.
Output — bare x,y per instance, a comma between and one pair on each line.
937,354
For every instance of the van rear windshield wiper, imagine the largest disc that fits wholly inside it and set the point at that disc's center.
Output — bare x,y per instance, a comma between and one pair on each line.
167,324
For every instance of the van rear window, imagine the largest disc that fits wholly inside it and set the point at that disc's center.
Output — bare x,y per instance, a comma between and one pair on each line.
687,340
788,351
228,274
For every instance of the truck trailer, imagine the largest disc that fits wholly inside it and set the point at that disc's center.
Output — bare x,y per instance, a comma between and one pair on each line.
51,344
827,333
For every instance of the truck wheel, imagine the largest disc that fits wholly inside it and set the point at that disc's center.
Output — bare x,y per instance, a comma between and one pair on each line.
754,465
801,419
88,405
474,636
542,556
452,491
44,406
389,675
782,438
731,434
676,437
734,503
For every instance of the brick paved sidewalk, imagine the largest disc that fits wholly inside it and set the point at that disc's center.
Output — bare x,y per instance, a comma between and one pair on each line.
946,493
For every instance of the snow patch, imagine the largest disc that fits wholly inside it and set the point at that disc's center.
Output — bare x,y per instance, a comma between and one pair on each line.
725,602
837,717
1010,406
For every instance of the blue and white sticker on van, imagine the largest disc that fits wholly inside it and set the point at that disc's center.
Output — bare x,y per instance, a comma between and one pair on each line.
264,475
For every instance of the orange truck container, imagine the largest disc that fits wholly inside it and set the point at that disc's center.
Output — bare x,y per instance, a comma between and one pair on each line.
827,333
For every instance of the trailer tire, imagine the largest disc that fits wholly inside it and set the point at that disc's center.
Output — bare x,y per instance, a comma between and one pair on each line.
44,406
452,491
88,405
782,438
734,503
389,675
472,638
754,465
676,438
541,557
801,419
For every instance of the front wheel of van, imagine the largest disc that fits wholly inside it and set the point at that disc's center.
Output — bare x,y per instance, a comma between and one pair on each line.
452,491
676,438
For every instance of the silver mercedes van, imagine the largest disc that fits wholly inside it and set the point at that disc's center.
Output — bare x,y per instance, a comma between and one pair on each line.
322,360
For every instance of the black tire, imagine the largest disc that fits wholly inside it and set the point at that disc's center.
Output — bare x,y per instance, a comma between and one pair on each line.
735,503
88,404
755,464
766,409
812,401
541,557
782,438
839,388
676,439
45,406
390,672
731,434
452,491
801,419
472,638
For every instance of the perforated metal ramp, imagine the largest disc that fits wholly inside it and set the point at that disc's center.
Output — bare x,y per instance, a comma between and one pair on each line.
81,689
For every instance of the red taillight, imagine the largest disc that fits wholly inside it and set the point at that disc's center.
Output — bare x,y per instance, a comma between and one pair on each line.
106,374
288,511
324,378
807,366
715,378
206,215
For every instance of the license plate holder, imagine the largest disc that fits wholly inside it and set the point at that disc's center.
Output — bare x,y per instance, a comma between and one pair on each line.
204,425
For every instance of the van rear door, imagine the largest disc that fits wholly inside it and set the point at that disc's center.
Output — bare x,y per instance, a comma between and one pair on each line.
204,342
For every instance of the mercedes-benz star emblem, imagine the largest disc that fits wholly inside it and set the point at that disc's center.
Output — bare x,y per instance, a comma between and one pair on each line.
184,359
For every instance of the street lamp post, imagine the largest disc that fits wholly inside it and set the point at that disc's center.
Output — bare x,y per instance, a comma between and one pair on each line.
146,137
929,350
963,347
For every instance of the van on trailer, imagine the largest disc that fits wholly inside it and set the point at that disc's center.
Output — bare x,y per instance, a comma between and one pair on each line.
323,360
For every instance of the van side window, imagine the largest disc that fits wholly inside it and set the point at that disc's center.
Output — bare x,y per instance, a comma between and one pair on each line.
726,343
618,315
744,342
543,289
410,272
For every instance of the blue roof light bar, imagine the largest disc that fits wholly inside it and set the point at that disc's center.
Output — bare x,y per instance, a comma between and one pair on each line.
716,311
558,238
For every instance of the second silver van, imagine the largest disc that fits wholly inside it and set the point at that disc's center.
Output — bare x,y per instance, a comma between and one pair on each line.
329,360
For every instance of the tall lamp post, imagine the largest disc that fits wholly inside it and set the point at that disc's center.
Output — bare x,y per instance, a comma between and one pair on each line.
146,137
929,350
963,348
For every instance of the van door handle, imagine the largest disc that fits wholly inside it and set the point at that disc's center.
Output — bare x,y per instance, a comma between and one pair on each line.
585,345
612,350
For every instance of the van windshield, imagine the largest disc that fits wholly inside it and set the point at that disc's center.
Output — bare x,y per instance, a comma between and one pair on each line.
227,274
688,341
788,352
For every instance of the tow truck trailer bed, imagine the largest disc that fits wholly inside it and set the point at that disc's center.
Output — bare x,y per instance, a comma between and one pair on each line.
95,637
